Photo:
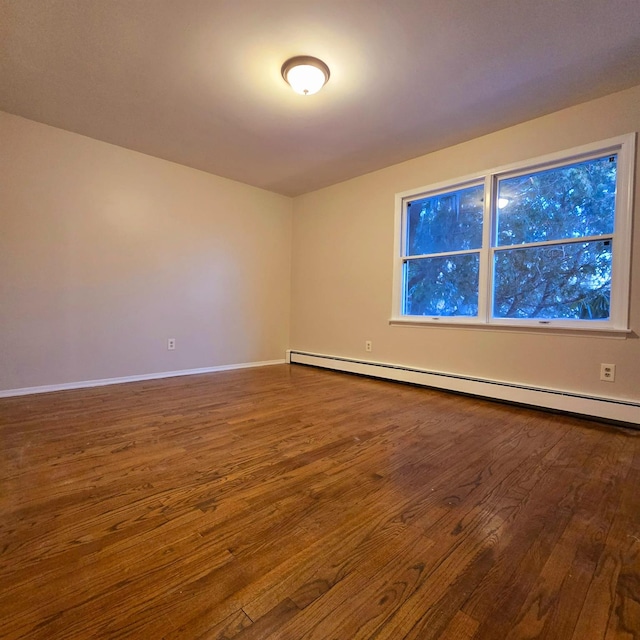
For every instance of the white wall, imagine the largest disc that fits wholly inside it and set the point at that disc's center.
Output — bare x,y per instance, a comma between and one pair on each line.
343,268
105,253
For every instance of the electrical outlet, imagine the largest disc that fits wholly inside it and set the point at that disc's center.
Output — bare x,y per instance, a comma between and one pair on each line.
368,345
171,344
608,372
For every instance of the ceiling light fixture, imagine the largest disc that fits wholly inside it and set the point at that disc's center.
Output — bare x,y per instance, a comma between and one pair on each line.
306,75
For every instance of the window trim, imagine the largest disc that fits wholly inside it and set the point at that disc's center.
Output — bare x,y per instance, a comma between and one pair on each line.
618,322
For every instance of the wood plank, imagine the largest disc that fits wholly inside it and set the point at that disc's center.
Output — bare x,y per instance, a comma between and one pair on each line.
290,502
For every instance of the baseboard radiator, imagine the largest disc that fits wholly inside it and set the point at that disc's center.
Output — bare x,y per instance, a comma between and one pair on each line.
591,406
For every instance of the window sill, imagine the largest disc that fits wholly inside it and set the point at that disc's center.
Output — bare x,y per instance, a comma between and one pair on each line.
549,329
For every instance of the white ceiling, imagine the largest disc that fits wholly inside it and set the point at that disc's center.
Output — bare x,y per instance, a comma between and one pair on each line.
198,81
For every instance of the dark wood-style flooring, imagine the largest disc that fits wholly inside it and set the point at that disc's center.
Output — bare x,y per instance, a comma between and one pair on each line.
292,503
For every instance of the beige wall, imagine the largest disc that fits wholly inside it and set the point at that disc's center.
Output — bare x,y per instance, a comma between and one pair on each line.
105,253
343,260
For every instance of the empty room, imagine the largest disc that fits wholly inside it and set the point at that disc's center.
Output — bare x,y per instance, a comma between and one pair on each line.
319,321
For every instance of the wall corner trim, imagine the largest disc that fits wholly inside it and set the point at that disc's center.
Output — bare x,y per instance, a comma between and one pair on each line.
558,400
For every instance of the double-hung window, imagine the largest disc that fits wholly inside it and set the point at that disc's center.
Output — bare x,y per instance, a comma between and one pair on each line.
542,243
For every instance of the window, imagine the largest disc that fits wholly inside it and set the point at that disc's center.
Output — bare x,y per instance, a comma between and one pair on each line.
543,243
442,266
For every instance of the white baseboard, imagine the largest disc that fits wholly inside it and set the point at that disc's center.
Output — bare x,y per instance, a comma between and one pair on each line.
591,406
8,393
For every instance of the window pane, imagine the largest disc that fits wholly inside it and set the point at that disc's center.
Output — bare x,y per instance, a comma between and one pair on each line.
569,202
571,281
445,286
446,222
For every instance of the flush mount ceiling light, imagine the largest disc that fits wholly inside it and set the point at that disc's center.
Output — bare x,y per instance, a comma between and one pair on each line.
305,74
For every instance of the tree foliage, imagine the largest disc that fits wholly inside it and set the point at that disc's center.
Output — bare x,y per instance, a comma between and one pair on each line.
569,277
446,222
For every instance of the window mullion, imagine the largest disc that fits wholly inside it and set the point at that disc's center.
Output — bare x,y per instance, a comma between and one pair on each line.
444,254
559,242
484,285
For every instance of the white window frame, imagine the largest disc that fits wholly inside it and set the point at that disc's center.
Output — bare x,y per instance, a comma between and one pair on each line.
623,146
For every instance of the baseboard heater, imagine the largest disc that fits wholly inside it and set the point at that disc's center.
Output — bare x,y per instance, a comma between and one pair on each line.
591,406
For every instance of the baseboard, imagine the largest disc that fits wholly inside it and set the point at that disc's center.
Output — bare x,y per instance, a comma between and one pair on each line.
554,399
8,393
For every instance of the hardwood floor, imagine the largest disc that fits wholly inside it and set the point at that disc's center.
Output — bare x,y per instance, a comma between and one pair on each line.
292,503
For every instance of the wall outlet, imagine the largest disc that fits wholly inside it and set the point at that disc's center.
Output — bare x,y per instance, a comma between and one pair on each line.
171,344
368,345
608,372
